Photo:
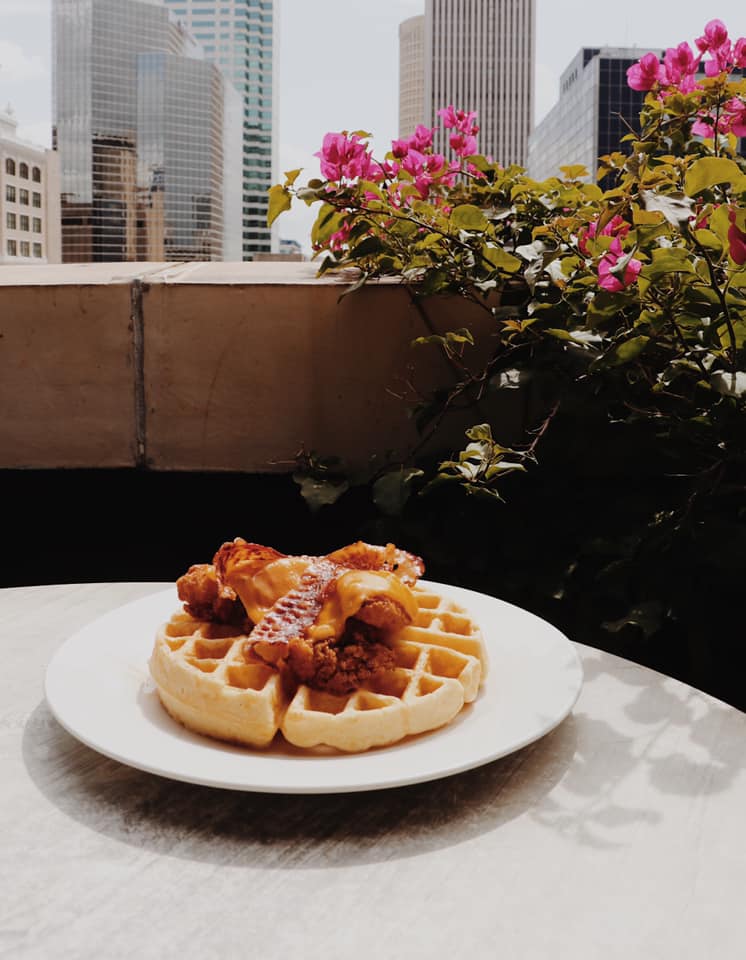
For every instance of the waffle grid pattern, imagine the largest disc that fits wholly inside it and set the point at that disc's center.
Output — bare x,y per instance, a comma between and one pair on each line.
205,682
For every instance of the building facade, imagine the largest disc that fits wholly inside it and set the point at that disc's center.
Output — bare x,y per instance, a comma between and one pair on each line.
479,55
29,198
241,38
596,108
141,122
411,74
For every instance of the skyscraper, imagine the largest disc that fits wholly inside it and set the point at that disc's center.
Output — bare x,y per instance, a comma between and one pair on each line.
240,36
596,107
479,55
411,74
141,125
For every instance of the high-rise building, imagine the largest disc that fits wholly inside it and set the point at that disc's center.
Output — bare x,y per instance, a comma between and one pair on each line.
596,108
29,198
241,37
411,74
144,126
479,55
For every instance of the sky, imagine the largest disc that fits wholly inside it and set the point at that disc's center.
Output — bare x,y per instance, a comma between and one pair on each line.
339,64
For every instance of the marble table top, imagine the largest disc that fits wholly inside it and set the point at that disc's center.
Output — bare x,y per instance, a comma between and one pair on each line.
617,835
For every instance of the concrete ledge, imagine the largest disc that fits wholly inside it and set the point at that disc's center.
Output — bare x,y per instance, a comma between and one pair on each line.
213,366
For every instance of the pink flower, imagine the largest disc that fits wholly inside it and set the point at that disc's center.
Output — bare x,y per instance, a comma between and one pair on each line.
716,42
616,227
463,145
400,148
737,116
680,66
459,120
716,35
646,73
343,157
736,240
739,53
422,138
340,238
611,281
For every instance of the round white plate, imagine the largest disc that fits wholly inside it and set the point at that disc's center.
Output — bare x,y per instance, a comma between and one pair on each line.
99,688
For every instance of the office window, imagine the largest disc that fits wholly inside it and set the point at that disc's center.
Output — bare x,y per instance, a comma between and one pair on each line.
23,196
10,193
23,171
24,223
37,249
12,248
10,221
10,166
36,175
37,224
37,200
25,248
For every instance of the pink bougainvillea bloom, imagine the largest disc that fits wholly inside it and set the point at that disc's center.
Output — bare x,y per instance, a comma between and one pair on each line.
680,66
646,73
716,35
739,53
422,138
613,282
616,227
463,144
458,119
343,157
340,238
736,240
400,148
737,116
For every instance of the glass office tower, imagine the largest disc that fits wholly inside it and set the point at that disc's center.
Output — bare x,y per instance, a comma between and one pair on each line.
241,37
596,108
140,122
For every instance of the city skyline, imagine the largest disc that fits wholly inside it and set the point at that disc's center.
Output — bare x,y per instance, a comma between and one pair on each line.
324,44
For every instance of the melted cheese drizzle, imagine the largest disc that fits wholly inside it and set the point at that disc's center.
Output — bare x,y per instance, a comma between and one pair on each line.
264,589
351,591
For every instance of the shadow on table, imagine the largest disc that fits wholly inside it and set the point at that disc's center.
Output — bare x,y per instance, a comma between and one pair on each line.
278,831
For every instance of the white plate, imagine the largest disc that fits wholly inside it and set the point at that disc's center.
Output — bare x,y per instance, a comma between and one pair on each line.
99,688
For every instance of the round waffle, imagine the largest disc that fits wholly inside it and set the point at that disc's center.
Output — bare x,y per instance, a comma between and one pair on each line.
205,681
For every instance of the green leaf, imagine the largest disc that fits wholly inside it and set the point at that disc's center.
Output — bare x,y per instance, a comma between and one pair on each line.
291,176
279,201
499,259
463,335
482,432
668,260
575,171
623,352
393,489
708,171
468,217
320,493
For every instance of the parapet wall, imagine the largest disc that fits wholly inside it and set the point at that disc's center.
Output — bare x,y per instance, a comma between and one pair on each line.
215,366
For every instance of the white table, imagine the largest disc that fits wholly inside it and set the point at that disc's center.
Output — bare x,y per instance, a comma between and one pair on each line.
620,835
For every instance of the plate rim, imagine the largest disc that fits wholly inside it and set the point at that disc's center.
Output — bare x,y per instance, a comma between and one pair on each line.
254,784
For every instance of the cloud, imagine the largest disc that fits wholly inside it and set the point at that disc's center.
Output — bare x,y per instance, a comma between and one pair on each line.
17,67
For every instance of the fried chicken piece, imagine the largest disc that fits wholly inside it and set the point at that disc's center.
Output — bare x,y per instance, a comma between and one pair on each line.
203,599
367,556
339,666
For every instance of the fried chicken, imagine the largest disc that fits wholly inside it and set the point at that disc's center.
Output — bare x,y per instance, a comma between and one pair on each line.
203,598
340,665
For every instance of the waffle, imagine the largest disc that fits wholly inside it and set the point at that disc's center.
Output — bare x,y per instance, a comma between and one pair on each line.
205,682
